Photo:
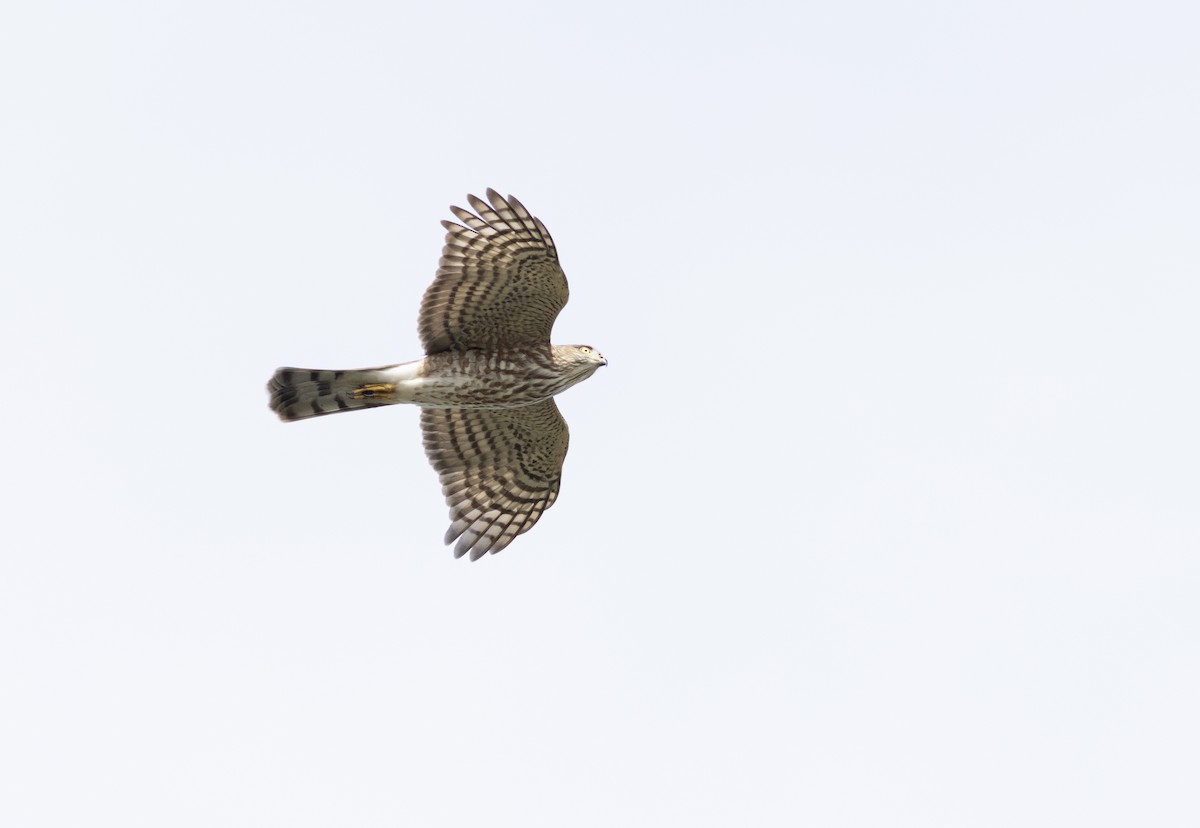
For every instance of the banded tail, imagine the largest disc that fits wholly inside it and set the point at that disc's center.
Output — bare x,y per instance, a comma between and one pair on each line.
300,393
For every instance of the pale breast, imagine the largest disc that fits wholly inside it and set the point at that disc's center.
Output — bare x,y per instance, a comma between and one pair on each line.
477,379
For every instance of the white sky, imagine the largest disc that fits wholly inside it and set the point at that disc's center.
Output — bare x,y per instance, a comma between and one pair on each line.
884,512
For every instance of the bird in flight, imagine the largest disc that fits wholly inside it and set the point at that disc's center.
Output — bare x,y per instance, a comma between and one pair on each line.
487,382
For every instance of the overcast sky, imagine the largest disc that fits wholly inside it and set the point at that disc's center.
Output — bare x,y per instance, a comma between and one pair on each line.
884,513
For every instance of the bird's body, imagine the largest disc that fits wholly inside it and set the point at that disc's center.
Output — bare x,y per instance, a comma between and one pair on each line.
487,382
454,379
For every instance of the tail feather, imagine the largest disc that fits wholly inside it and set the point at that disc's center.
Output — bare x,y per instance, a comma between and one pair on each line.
300,393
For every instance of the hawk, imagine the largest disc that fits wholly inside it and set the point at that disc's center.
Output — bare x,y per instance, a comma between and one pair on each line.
487,382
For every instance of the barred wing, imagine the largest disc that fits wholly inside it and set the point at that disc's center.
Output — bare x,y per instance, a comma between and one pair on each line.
500,469
498,284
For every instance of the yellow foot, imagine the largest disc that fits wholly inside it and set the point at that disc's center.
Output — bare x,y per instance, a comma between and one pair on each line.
375,391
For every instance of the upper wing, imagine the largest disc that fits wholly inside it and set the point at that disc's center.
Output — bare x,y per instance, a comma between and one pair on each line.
498,284
500,469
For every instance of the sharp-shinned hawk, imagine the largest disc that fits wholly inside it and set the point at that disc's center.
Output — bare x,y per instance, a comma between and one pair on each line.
487,383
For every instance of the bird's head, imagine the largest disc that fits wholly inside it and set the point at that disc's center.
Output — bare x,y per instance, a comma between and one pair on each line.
578,362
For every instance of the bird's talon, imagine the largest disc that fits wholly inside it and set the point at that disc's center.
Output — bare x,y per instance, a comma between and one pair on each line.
375,390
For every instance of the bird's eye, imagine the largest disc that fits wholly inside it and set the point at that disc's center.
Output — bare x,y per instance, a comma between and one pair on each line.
586,349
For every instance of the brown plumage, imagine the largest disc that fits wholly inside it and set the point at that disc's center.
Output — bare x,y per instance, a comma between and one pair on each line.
492,430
